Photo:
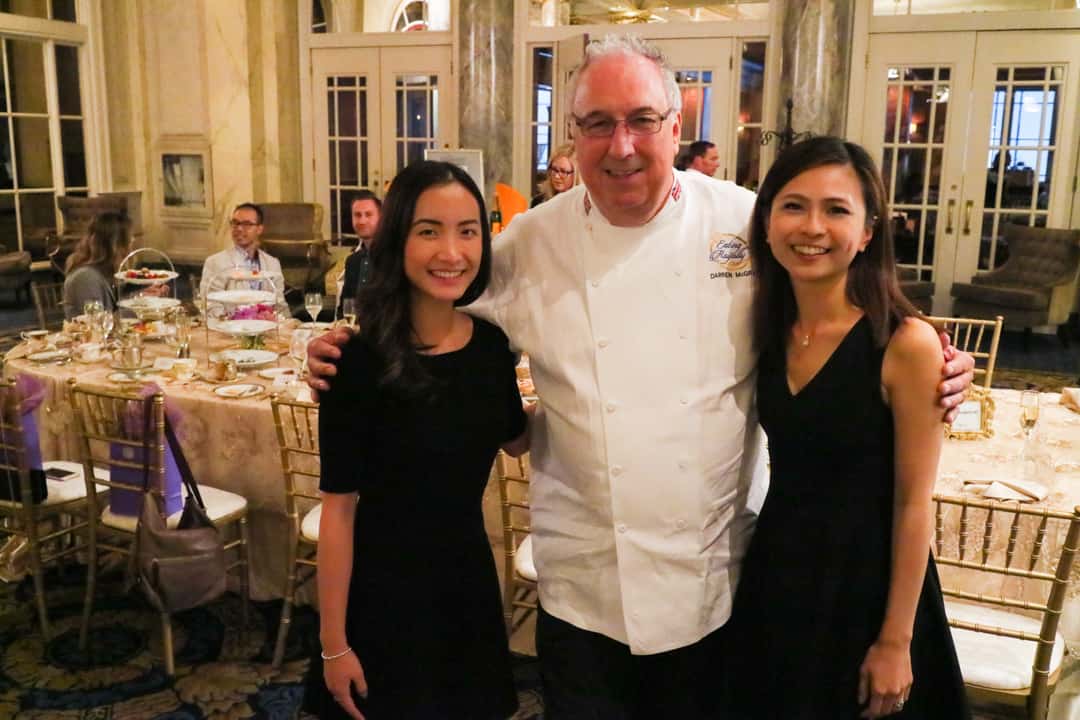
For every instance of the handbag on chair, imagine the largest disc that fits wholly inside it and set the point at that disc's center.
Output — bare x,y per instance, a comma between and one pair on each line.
182,567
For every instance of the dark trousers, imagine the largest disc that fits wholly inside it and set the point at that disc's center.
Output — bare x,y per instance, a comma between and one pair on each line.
588,676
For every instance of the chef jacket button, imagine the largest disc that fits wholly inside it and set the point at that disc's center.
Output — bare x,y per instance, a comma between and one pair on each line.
683,464
610,407
678,273
684,401
616,470
621,528
602,342
596,283
682,335
681,524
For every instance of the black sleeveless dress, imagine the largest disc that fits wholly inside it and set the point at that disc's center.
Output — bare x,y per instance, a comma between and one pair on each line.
815,580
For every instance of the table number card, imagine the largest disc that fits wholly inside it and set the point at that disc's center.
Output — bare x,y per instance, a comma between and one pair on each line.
974,420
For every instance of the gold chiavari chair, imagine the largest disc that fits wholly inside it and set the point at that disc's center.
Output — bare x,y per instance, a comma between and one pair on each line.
297,425
63,508
100,418
1008,643
519,586
977,337
49,303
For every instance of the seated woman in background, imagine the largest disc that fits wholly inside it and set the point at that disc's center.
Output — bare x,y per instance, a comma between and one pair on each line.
91,266
561,174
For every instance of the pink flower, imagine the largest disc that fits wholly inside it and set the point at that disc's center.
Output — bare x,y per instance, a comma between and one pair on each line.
254,312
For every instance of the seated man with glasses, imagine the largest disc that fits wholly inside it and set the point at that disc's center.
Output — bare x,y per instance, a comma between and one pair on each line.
246,227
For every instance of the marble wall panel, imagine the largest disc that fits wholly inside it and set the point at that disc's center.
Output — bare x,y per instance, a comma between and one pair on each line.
485,103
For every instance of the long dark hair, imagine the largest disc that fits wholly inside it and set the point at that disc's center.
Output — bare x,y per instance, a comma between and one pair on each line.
104,245
871,281
385,300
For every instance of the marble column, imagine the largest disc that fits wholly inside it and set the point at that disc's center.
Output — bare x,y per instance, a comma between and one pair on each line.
816,37
485,39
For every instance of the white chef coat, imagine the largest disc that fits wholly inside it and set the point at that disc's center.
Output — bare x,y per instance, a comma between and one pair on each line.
645,443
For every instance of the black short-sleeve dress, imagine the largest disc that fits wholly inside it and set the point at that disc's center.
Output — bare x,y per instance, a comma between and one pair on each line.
424,612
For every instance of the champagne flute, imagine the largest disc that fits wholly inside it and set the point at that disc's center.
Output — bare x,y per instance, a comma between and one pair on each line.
348,311
1029,411
313,304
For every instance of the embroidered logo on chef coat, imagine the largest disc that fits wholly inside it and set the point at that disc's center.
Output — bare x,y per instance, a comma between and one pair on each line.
731,253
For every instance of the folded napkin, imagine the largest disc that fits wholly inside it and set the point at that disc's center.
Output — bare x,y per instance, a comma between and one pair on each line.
1001,489
1070,398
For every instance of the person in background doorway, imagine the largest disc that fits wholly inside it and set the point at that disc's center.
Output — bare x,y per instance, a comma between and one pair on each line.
561,175
703,157
365,219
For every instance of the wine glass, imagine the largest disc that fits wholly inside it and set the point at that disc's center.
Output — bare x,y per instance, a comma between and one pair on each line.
1029,411
348,311
313,304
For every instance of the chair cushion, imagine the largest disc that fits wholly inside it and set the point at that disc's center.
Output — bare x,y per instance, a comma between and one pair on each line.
72,487
1003,296
219,504
523,560
309,526
993,661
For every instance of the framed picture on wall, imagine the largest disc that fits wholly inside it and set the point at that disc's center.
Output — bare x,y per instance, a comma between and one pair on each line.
184,173
471,161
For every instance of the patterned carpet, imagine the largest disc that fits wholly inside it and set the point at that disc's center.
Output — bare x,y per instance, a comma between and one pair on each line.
221,673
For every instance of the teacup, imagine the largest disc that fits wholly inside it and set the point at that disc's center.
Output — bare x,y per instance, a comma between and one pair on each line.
183,368
223,370
35,338
129,357
88,352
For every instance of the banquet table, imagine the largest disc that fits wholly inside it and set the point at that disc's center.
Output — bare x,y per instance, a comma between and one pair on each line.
1056,446
230,444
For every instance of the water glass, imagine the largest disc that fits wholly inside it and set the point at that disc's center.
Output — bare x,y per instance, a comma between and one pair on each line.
348,312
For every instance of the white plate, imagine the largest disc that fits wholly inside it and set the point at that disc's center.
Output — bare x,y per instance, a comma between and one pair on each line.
146,364
239,390
247,359
159,276
245,327
122,378
49,356
241,297
275,372
148,302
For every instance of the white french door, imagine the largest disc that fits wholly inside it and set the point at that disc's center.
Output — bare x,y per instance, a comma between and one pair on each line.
973,130
375,111
703,70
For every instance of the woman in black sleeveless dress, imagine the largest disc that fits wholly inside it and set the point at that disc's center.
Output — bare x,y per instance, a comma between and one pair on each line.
838,613
411,621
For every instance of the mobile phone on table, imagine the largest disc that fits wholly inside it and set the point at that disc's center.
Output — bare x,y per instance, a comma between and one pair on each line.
59,473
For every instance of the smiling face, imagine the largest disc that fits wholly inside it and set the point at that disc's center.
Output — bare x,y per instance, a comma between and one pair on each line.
817,224
561,174
445,244
246,229
628,176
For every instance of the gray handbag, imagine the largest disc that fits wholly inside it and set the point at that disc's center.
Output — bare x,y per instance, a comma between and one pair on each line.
182,567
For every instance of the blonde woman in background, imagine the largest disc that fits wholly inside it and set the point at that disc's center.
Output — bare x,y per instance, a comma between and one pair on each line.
91,265
561,175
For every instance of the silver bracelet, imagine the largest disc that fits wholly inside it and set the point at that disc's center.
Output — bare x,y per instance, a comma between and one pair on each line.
343,653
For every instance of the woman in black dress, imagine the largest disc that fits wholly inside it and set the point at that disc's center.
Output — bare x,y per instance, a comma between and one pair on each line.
838,612
410,614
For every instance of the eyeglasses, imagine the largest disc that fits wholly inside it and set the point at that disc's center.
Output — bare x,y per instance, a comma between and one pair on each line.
245,224
560,172
601,126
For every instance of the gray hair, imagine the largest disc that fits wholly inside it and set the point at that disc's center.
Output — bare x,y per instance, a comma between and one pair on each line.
626,45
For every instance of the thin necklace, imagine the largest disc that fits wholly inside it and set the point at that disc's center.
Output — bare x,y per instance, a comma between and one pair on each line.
803,338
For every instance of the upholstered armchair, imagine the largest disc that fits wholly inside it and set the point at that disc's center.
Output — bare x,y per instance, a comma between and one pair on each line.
919,292
292,232
1037,285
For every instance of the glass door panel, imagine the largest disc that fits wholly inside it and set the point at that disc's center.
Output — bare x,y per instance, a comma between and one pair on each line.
913,129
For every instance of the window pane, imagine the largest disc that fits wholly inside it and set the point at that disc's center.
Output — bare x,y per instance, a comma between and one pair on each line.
9,226
416,151
748,164
7,172
417,113
38,215
892,92
542,81
691,100
33,158
74,152
26,70
348,171
906,240
63,10
910,170
752,83
915,114
29,8
67,79
346,103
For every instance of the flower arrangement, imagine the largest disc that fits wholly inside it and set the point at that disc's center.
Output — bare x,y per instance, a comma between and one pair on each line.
262,311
